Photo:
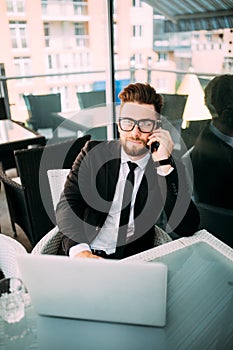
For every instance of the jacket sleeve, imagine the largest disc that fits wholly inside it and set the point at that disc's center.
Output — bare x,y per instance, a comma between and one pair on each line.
181,212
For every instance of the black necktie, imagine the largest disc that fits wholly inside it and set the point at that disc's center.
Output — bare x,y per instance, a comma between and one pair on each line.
125,210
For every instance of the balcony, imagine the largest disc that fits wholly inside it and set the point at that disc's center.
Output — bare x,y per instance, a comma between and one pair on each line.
64,11
67,42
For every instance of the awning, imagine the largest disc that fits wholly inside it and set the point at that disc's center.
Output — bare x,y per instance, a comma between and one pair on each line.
187,15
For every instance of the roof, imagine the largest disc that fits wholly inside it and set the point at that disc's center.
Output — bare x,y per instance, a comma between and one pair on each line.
189,15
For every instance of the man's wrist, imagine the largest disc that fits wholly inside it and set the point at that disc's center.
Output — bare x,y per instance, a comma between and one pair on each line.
166,161
78,248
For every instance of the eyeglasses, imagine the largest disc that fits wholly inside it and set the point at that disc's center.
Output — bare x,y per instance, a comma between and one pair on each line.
144,125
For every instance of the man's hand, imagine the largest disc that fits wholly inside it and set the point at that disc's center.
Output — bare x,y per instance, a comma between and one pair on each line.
166,144
87,254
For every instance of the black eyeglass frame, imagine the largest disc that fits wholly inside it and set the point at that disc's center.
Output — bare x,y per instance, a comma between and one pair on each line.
158,123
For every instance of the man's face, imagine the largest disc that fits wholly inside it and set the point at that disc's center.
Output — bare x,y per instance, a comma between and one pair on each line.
134,142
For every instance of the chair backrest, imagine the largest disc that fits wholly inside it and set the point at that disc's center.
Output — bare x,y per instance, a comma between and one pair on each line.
32,165
93,98
98,133
218,221
173,106
17,205
9,248
57,178
172,112
40,109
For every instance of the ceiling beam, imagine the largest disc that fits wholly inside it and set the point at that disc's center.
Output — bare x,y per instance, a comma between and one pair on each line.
204,15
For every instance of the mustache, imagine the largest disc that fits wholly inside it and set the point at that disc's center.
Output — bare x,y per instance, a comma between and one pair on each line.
137,139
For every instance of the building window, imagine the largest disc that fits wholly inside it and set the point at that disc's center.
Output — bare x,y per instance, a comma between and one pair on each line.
80,7
22,66
208,37
80,33
47,34
136,3
137,31
18,34
15,6
54,62
162,56
79,28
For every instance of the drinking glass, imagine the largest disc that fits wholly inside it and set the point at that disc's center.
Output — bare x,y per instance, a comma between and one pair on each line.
15,306
12,292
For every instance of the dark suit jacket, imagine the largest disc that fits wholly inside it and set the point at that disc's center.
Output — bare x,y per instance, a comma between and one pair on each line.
212,161
90,188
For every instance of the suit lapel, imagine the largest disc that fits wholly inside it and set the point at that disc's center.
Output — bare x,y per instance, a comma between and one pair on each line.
109,173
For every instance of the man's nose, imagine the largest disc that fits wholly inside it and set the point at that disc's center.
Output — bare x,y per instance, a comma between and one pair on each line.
135,131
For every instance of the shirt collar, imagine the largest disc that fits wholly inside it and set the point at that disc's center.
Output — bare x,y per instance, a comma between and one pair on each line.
141,163
225,138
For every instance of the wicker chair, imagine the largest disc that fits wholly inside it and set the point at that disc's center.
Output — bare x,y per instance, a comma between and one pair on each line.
44,117
30,203
57,179
9,249
161,237
88,99
49,244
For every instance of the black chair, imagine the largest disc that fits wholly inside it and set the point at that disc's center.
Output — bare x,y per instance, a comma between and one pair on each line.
40,109
43,114
30,202
100,132
218,221
172,112
93,98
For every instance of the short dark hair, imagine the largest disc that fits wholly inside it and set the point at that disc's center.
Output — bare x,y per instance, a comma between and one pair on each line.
141,93
219,96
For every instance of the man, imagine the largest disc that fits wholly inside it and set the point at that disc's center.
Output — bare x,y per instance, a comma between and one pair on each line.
212,156
89,212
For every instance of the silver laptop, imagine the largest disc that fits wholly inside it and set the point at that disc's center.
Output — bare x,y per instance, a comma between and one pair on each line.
97,290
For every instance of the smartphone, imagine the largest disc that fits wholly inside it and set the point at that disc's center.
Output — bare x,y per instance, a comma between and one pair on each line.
154,146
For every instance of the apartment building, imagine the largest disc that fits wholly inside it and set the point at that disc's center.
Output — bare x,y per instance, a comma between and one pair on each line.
202,51
70,37
52,37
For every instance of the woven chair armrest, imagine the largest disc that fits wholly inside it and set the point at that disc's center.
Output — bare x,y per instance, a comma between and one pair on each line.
161,237
49,244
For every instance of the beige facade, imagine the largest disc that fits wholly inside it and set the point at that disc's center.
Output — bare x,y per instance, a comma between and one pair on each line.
51,37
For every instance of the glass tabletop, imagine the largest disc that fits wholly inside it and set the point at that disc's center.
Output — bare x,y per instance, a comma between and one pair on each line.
11,132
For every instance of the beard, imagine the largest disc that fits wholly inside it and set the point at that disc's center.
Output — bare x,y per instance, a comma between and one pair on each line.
132,150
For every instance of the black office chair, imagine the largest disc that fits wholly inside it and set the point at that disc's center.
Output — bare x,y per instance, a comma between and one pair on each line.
93,98
30,202
218,221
